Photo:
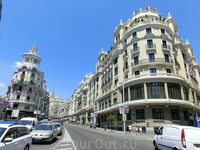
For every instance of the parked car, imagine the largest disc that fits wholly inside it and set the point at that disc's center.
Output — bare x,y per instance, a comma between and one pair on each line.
10,122
29,122
177,137
59,127
42,122
15,136
45,133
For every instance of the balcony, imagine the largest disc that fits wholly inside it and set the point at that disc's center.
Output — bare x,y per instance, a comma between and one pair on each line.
175,52
125,68
135,49
152,61
19,91
125,56
26,82
177,65
150,46
166,47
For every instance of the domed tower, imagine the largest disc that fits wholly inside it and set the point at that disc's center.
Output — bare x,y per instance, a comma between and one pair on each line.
28,87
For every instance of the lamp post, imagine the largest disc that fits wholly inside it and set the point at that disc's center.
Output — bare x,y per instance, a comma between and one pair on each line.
38,107
123,105
123,99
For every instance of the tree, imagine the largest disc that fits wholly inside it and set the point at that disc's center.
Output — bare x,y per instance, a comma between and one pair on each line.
111,119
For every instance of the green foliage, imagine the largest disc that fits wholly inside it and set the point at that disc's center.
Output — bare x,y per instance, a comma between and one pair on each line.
40,117
111,119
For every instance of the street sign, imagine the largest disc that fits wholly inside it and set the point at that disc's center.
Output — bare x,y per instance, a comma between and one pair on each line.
124,117
15,113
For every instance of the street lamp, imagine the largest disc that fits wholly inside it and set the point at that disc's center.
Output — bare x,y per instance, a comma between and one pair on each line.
123,104
38,107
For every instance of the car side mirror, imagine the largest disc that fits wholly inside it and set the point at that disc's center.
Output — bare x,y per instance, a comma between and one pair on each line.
156,132
8,140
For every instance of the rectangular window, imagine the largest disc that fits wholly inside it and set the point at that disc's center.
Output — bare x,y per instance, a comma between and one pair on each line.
119,118
135,47
149,44
116,81
125,41
148,30
151,57
166,58
175,114
116,71
157,114
136,61
115,61
152,70
135,34
164,44
168,70
174,90
155,90
115,101
129,115
162,31
140,114
137,73
137,91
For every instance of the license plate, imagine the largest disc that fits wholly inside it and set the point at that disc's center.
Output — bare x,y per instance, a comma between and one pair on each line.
37,138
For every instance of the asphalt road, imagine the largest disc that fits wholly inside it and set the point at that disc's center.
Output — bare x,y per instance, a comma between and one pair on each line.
85,138
78,137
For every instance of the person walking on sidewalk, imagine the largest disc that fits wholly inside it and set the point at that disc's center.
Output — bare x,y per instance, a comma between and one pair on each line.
140,130
136,130
129,129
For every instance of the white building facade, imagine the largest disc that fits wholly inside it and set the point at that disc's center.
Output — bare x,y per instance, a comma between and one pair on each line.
27,89
157,71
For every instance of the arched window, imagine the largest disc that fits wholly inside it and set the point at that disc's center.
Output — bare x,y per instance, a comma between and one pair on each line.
18,96
34,70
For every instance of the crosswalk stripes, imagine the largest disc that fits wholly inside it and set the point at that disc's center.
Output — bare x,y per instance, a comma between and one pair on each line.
65,145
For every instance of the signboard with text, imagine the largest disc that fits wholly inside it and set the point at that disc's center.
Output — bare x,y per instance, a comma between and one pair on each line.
124,118
123,110
15,113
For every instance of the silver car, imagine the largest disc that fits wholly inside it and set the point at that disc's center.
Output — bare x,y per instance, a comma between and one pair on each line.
45,133
59,127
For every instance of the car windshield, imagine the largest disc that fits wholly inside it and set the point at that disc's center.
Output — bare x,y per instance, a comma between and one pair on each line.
57,125
44,127
42,122
2,130
26,122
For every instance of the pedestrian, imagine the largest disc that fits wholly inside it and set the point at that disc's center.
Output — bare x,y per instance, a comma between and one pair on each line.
129,129
140,130
136,130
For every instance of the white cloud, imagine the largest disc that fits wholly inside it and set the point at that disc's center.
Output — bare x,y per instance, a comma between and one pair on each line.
2,85
17,64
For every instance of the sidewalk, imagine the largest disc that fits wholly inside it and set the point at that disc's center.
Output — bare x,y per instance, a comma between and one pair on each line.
144,135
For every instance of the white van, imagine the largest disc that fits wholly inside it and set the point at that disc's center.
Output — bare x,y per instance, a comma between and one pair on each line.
177,137
29,122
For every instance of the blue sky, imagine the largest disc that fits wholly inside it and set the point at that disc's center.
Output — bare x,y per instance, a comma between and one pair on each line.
71,33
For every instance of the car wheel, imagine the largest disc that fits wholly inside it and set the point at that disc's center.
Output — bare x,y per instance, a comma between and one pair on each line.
155,145
26,147
51,140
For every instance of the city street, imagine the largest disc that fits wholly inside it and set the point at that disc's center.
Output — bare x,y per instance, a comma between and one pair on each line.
93,139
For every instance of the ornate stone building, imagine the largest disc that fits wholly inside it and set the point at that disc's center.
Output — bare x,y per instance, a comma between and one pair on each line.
150,70
28,86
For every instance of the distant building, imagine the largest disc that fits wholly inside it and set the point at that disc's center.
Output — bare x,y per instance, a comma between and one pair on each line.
56,106
28,86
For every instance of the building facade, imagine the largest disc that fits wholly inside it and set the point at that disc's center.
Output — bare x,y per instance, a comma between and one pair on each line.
56,106
150,70
27,89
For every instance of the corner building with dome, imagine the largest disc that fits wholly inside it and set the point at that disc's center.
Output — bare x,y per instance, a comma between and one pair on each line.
157,72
